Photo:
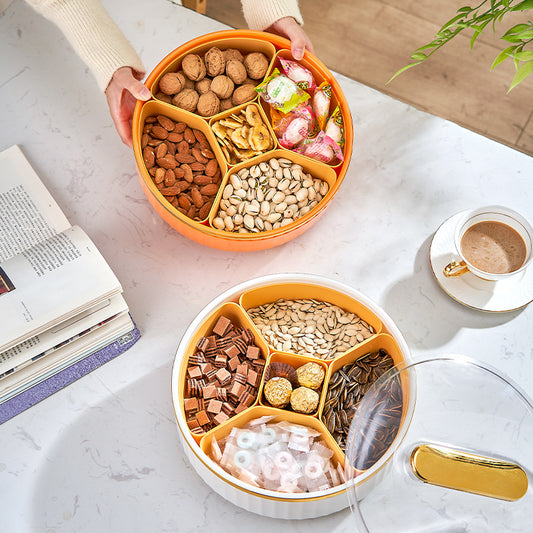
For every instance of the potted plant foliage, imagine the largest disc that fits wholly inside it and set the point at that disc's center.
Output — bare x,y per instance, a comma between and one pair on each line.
487,12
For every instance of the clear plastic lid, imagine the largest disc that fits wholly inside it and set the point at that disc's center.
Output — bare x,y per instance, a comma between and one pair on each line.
442,445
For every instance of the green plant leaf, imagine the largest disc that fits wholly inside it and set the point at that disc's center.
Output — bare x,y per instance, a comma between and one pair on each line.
502,56
521,74
522,6
465,9
516,29
418,56
403,70
452,21
525,35
426,47
526,55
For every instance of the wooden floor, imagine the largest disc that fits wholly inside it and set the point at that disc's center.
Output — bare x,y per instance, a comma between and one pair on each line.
369,40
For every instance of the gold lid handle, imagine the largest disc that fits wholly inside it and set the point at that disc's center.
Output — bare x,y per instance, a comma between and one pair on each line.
454,469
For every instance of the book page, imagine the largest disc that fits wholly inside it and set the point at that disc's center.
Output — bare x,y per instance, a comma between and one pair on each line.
53,338
49,283
28,213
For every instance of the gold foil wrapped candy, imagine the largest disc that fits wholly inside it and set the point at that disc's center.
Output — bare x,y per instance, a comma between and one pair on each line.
304,400
310,375
278,391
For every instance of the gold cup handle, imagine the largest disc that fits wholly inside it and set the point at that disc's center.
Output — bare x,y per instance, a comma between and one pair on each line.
455,269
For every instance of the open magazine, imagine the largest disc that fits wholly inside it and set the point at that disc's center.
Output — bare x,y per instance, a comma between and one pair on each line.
59,300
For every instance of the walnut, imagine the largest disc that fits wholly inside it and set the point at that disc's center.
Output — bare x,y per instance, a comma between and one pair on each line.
242,94
232,54
189,84
215,62
172,82
226,104
256,65
236,71
186,99
202,86
249,81
222,86
208,104
194,67
163,97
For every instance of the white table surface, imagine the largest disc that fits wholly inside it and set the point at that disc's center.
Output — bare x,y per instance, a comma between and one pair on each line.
103,454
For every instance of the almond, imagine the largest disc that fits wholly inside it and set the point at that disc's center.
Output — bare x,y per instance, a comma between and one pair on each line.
170,191
206,152
187,173
175,137
165,122
196,152
183,147
149,157
211,167
197,197
184,158
184,202
209,190
167,162
201,180
200,137
159,132
188,135
204,210
161,151
197,167
170,178
159,175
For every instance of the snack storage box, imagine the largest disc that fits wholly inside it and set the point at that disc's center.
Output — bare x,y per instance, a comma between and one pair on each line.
203,228
239,306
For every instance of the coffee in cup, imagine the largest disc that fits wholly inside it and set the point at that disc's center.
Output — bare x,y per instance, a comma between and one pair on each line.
492,242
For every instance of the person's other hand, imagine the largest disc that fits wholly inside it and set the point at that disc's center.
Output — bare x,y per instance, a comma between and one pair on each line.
288,27
123,91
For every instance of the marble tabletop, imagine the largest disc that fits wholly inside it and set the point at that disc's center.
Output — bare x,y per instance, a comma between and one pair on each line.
104,454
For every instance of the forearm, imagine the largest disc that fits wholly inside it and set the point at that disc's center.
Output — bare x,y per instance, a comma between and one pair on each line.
93,35
261,14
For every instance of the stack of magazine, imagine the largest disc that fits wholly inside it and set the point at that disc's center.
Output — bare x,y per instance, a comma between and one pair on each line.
62,313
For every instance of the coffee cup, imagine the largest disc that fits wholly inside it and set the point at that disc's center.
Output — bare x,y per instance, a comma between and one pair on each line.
493,243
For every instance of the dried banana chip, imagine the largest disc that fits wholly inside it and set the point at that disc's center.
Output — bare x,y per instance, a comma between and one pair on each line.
252,115
219,129
260,137
239,137
230,123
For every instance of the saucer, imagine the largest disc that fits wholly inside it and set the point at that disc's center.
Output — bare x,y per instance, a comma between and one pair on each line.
501,296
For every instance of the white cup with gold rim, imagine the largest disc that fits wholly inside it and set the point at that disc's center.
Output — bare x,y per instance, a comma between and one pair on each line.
493,243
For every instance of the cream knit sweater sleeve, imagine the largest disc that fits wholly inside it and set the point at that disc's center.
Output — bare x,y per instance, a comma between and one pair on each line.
94,36
260,14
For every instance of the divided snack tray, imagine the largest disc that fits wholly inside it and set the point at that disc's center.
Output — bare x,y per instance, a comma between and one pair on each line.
234,305
204,231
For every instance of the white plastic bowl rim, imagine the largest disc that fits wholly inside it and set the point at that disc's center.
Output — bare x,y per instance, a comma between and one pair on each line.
230,294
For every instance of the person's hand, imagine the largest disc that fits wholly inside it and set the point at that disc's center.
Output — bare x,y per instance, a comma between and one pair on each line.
288,27
123,91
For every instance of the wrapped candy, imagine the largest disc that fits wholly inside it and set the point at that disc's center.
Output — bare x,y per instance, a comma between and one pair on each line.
310,375
322,148
292,128
298,460
335,127
321,101
304,400
277,391
298,74
281,92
